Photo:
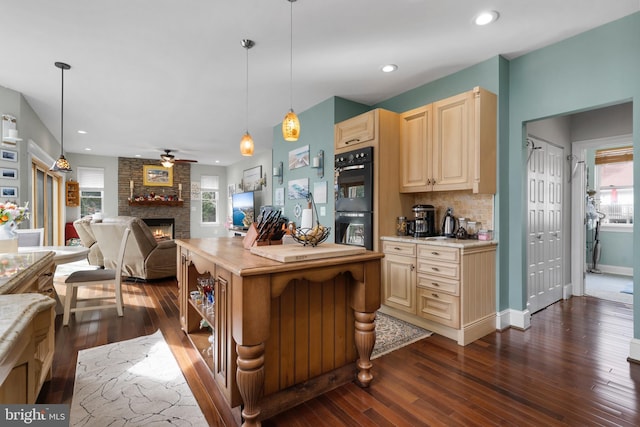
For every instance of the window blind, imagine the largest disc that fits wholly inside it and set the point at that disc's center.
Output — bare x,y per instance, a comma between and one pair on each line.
614,155
209,182
91,177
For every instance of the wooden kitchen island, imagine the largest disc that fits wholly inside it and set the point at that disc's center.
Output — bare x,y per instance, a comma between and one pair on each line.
282,332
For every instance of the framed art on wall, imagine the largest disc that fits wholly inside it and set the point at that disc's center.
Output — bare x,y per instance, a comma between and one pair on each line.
9,155
160,176
299,157
298,188
9,192
252,179
8,173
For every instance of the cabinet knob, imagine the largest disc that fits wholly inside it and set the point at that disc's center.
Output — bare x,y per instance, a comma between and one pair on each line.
435,253
435,295
397,248
413,267
435,268
352,140
435,284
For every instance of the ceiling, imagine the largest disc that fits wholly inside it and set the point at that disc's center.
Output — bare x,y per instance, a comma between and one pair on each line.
153,74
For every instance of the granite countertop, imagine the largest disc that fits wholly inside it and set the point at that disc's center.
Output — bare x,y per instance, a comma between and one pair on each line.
16,311
441,241
14,267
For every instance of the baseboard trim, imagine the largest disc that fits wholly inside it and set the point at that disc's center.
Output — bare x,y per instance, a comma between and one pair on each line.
616,269
510,318
634,351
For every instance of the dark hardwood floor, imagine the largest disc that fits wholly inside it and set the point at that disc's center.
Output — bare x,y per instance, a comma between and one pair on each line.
569,368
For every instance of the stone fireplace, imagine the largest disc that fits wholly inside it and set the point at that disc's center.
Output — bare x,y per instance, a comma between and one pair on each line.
131,170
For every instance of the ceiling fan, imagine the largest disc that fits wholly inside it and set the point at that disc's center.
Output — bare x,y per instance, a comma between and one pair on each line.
169,159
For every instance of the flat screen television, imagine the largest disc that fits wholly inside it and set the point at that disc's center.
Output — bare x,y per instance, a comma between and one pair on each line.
243,207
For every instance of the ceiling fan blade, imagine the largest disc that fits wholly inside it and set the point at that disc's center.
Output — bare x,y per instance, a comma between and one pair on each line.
185,161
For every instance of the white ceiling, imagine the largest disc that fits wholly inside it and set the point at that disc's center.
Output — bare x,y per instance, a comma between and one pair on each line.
153,74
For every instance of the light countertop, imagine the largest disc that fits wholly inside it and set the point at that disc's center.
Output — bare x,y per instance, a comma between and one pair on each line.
16,312
441,241
14,267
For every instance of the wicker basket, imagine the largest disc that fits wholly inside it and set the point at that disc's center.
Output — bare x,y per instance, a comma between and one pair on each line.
312,236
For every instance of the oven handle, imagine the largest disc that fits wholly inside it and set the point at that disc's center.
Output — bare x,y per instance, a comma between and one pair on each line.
350,168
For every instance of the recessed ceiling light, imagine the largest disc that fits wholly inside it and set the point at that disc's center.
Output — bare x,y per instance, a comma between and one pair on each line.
138,155
389,68
87,149
217,161
484,18
83,132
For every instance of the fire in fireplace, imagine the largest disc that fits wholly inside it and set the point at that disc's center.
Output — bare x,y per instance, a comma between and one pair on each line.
162,228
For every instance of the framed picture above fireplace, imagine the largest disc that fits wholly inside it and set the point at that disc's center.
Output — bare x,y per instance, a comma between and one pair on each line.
159,176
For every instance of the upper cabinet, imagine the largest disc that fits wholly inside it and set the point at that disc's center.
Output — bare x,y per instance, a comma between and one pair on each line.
450,144
352,133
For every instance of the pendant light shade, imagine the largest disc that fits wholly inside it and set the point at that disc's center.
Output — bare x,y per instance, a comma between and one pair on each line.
246,143
291,124
62,164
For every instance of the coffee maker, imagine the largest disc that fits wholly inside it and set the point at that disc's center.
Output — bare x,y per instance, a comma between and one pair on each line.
424,221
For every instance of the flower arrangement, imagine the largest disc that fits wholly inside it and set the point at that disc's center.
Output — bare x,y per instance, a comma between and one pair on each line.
12,214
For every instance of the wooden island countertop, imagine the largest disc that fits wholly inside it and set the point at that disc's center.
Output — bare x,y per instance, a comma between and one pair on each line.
283,332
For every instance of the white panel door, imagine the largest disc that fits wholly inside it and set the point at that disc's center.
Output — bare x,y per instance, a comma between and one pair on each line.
544,226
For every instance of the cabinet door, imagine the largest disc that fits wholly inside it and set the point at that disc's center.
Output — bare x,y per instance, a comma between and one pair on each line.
355,131
224,353
399,282
415,150
452,151
183,280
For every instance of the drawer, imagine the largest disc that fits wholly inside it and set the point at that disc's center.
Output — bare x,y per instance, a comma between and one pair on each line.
439,307
439,253
440,269
398,248
439,284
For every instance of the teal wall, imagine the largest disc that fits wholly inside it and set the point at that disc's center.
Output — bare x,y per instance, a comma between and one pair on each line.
597,68
616,249
316,131
594,69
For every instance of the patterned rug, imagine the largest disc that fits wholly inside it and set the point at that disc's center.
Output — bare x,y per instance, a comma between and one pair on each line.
393,333
135,382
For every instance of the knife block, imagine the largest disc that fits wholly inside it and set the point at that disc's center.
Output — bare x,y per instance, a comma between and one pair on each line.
250,239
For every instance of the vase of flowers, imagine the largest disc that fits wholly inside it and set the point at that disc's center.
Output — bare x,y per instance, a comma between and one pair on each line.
10,216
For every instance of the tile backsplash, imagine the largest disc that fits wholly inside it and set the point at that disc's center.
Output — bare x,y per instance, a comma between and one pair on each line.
465,204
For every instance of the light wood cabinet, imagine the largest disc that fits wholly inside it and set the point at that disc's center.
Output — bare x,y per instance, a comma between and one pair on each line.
450,144
449,290
399,276
378,129
72,193
416,150
355,132
220,356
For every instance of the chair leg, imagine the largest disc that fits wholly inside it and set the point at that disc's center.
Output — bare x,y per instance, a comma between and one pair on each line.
67,305
119,303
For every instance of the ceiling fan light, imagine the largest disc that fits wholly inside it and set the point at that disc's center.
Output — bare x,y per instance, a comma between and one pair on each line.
61,165
246,145
291,127
166,163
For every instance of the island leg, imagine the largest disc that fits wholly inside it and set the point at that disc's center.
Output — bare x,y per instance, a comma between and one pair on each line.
250,381
365,337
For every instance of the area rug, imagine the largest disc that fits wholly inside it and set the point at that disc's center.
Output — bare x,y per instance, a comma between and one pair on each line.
132,383
393,333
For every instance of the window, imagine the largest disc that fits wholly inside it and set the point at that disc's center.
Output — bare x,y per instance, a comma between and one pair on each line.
614,183
91,182
209,198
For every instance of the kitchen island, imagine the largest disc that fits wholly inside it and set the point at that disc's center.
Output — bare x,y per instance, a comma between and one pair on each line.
280,333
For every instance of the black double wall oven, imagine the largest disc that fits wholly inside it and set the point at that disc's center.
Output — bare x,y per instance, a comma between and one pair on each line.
354,198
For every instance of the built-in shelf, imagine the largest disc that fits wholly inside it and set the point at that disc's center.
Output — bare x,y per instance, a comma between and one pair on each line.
156,203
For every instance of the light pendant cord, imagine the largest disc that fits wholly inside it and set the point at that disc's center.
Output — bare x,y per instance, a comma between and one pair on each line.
247,85
62,114
291,56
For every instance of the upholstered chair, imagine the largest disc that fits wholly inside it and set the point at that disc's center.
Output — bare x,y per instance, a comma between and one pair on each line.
145,258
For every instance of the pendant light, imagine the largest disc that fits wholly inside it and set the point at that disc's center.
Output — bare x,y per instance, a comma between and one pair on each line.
62,164
246,143
291,124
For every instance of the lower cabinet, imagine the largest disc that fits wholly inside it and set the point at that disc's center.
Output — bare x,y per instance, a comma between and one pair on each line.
448,289
209,327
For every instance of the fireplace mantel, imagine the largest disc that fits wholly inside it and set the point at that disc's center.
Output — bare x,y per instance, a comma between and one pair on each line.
156,202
